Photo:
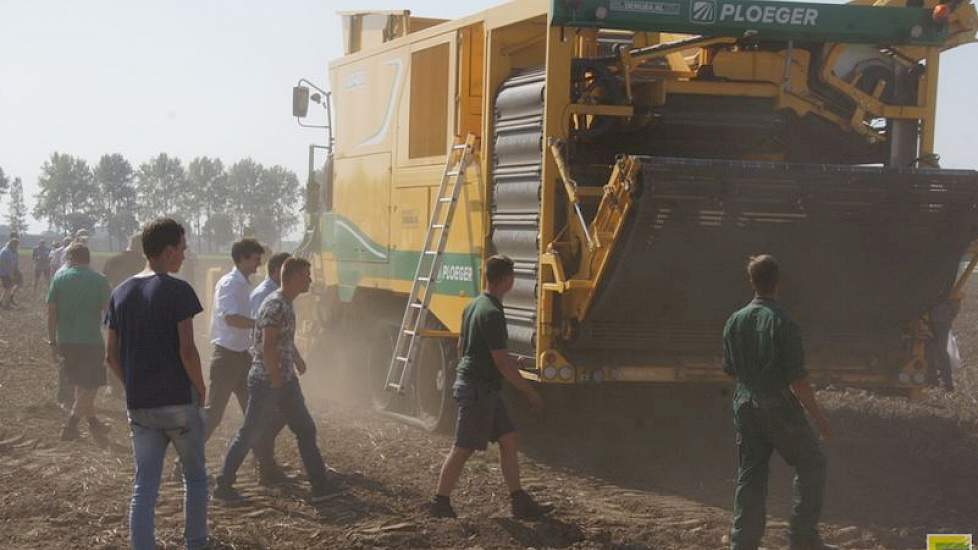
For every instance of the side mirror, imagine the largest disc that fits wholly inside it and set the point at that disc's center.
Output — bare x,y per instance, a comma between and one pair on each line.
300,101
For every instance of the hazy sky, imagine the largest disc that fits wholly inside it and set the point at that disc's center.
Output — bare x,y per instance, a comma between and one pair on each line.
199,77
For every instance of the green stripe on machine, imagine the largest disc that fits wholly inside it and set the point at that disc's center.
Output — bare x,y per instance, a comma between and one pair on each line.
358,257
799,21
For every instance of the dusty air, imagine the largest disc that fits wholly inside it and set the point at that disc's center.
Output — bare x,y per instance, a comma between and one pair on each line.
595,274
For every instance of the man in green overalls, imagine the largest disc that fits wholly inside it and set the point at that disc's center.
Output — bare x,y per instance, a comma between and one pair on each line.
762,348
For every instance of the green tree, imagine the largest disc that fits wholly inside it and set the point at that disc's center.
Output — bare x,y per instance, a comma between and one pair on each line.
17,213
4,183
262,200
276,212
206,195
219,230
116,197
159,183
243,195
66,194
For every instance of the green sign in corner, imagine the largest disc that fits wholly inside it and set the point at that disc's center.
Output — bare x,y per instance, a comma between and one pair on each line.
798,21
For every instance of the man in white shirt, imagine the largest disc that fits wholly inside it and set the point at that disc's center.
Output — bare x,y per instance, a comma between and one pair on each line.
231,326
58,256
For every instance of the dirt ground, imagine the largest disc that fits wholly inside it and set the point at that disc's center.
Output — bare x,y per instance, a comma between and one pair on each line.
659,475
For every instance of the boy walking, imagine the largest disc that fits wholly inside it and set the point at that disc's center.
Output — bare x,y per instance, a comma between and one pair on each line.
231,328
151,348
482,415
76,300
273,386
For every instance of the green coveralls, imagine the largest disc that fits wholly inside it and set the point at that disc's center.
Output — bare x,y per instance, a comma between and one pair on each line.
762,348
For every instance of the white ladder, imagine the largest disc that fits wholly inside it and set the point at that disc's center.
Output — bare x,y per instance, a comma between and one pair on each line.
425,276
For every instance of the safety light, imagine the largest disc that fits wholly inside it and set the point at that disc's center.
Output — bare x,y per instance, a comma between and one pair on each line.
566,373
941,13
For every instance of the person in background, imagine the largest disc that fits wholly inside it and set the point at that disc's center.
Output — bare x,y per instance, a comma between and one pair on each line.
41,259
151,348
81,236
231,326
271,283
482,415
762,350
125,264
76,301
65,393
53,255
10,276
58,261
273,384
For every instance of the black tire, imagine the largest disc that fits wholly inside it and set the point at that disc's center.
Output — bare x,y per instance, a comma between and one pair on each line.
434,375
379,349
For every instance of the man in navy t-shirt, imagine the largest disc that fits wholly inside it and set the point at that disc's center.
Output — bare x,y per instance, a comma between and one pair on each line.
151,349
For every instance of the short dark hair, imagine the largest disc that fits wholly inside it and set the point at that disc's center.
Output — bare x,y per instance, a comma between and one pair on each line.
78,252
764,273
159,234
276,261
498,267
244,248
294,265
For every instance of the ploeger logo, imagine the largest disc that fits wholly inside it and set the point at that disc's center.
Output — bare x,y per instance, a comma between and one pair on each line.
766,14
703,11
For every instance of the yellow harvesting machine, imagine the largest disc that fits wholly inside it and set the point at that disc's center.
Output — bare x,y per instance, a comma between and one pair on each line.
629,155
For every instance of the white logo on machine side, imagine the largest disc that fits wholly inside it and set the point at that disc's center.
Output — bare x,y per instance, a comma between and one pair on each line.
355,80
461,273
641,6
757,13
703,11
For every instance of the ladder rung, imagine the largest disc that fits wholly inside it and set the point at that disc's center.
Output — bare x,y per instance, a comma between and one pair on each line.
411,325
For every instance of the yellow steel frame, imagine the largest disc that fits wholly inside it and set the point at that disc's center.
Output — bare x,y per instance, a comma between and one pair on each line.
605,228
560,50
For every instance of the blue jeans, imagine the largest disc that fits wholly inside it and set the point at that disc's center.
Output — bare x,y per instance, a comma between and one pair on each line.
152,430
261,417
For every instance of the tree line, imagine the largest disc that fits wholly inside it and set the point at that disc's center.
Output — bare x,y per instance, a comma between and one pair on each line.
215,204
17,210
